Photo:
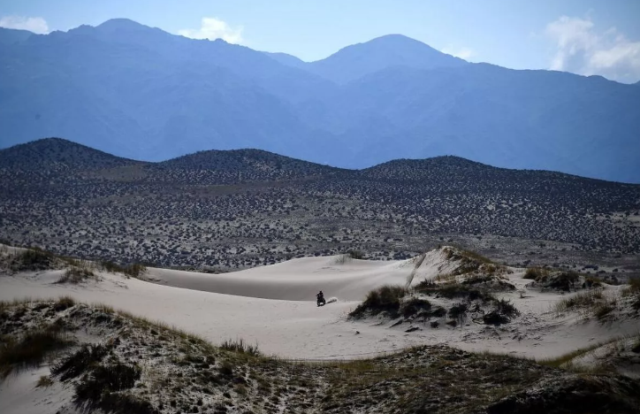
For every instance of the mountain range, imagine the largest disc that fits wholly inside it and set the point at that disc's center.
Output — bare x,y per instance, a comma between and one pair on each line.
142,93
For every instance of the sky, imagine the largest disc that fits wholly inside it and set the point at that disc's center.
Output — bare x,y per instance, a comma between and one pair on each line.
588,37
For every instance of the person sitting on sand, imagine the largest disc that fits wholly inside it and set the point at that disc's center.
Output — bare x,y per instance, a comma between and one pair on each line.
320,298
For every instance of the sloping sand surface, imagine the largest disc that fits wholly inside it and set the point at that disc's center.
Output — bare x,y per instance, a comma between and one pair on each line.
274,306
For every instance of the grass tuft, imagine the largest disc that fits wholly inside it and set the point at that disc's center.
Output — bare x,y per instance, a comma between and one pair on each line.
31,349
76,275
240,346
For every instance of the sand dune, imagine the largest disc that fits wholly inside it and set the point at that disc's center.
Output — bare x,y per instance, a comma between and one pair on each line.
300,279
274,306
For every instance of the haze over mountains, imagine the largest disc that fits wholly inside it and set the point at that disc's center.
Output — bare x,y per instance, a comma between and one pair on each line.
142,93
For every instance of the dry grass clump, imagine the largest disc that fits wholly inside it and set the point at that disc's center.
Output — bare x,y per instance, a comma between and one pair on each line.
414,306
535,273
77,363
32,259
592,302
386,299
133,270
582,300
65,302
453,291
240,346
30,349
633,290
76,275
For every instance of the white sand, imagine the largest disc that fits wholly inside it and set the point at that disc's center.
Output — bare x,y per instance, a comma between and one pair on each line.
289,324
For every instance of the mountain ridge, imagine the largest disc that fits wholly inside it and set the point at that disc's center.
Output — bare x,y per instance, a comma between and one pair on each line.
143,93
56,152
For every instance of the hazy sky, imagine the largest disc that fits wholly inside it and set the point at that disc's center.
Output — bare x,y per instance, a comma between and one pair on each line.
581,36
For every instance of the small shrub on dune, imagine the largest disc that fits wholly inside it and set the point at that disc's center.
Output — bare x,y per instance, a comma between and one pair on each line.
454,291
458,312
30,350
135,270
63,303
385,299
414,306
111,267
582,300
102,389
533,273
564,281
75,275
505,307
633,290
77,363
240,346
592,282
32,259
603,310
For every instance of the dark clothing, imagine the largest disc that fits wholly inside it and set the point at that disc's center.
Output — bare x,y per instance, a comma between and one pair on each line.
320,299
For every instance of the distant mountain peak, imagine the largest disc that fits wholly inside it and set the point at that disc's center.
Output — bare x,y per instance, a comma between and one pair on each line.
355,61
119,24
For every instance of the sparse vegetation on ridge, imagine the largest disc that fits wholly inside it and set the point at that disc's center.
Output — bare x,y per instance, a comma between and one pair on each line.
173,210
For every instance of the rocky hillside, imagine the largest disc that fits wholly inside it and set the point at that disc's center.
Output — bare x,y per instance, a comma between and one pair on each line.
233,209
96,358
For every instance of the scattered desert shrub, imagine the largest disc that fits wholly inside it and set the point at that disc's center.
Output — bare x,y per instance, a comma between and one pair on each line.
414,306
75,275
63,303
31,349
458,311
135,270
240,346
226,369
355,254
534,273
111,267
495,318
592,282
453,291
385,299
102,389
564,281
633,290
32,259
583,300
77,363
603,310
489,282
506,308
